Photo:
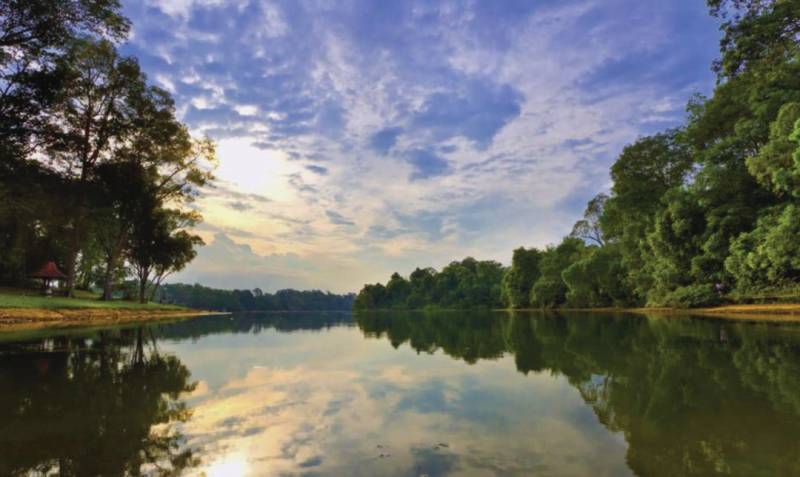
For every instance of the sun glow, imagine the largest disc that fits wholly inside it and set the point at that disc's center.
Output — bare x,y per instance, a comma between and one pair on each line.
233,465
252,169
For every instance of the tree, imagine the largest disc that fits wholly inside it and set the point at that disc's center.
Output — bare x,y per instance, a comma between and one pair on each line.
423,284
158,246
755,31
33,35
371,297
90,122
125,196
588,228
774,166
397,291
163,159
177,251
518,280
596,280
549,290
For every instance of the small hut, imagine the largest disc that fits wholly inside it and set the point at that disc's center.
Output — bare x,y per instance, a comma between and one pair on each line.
47,274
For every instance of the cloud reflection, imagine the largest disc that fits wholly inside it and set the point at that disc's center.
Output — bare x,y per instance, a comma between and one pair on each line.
362,408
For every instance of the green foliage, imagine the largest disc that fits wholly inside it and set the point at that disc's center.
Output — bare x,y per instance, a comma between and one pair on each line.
518,280
550,290
755,31
674,241
548,293
597,280
769,254
642,175
772,167
589,228
33,37
693,296
460,285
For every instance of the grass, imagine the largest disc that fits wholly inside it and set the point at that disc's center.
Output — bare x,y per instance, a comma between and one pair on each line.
31,299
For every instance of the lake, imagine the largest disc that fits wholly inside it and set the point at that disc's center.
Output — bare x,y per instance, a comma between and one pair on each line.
404,394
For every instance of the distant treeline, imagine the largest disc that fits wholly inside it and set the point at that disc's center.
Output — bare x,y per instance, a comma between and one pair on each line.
200,297
705,212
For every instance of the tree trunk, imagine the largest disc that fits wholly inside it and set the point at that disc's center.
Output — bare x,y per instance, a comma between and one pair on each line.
72,259
156,284
111,266
77,234
108,280
142,289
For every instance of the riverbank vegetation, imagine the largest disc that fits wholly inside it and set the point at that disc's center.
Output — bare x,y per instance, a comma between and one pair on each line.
701,214
96,172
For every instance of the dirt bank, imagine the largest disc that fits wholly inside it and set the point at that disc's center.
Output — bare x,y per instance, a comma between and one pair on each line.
34,318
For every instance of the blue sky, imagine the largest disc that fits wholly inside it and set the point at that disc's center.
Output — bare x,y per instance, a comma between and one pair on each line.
358,138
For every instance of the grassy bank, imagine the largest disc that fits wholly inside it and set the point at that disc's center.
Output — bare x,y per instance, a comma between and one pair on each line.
24,309
62,303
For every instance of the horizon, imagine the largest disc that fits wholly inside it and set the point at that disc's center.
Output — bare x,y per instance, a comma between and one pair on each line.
361,139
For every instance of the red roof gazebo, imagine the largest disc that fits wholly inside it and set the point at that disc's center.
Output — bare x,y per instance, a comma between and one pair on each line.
47,273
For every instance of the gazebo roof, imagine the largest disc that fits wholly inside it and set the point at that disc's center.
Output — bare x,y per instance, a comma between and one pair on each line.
49,270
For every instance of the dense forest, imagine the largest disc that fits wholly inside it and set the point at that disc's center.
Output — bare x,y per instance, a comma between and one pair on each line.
204,298
705,212
96,172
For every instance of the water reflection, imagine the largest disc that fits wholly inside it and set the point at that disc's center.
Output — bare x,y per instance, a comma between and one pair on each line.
434,394
692,397
102,404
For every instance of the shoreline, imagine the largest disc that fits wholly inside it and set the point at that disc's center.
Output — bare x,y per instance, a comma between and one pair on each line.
767,313
775,313
16,319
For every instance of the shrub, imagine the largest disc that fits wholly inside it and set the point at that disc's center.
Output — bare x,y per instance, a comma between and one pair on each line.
693,296
548,293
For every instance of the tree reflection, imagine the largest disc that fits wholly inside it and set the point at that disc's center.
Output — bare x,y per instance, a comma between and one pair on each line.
692,397
253,323
104,404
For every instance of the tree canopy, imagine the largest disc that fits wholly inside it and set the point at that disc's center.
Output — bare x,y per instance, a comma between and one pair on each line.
96,171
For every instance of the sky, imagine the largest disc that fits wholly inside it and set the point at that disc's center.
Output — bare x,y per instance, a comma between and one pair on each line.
357,138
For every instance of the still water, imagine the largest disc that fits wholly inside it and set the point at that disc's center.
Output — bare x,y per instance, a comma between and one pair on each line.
404,394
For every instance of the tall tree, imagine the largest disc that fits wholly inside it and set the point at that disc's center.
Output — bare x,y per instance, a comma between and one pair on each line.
589,228
90,123
125,197
158,245
518,280
33,35
755,31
